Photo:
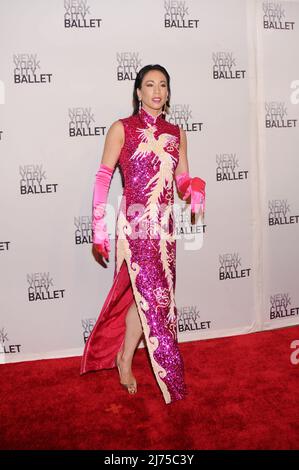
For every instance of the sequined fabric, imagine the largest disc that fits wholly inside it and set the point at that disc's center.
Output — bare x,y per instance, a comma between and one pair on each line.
146,245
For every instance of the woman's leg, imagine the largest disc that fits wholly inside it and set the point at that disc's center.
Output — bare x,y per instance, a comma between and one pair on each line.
132,337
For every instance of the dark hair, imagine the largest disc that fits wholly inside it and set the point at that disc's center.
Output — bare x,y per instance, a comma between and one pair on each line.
138,82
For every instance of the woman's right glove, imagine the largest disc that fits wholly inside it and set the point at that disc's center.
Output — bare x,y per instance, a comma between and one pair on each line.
99,228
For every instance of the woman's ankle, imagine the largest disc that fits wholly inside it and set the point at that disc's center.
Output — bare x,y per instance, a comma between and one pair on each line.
127,360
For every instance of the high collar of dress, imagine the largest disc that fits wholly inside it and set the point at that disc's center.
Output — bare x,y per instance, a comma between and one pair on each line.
148,118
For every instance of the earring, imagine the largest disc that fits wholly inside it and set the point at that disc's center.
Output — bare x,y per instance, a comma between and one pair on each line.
140,104
164,109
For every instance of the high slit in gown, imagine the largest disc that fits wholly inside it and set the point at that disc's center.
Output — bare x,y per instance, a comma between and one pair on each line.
145,255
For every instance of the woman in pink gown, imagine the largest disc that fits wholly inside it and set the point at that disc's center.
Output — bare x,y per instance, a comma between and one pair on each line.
151,153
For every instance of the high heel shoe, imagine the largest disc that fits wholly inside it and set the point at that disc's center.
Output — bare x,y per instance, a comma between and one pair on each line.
131,387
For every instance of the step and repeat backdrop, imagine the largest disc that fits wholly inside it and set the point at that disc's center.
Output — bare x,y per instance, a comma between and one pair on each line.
67,70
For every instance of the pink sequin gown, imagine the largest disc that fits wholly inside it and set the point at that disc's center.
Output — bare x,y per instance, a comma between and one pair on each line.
145,255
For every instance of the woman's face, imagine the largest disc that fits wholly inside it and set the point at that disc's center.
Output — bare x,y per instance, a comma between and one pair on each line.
154,91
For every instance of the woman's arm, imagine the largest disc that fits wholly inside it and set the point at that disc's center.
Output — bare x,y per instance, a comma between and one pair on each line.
187,186
183,159
113,144
112,147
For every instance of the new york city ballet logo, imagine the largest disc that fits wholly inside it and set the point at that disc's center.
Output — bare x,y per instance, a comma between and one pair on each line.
6,346
276,116
87,325
33,180
189,320
82,123
181,114
227,168
77,15
41,287
225,66
27,70
279,213
191,233
83,229
128,64
4,245
274,17
230,267
177,15
280,307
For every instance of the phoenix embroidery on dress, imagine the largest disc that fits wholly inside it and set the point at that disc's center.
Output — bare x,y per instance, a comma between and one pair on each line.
161,181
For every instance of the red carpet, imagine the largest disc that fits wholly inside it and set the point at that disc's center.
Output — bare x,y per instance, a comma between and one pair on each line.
243,394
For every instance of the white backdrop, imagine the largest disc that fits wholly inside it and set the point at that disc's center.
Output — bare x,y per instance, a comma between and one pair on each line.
67,70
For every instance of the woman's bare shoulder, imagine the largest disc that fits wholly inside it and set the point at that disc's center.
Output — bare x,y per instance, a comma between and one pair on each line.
117,125
116,130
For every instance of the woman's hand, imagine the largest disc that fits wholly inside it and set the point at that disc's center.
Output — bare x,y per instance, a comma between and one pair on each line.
198,194
100,239
103,248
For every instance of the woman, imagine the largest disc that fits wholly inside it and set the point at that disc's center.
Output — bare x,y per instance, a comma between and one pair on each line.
151,153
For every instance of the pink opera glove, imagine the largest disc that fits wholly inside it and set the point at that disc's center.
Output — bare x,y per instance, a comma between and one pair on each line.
100,237
198,195
194,187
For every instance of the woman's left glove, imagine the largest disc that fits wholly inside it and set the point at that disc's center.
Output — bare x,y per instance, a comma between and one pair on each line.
194,187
